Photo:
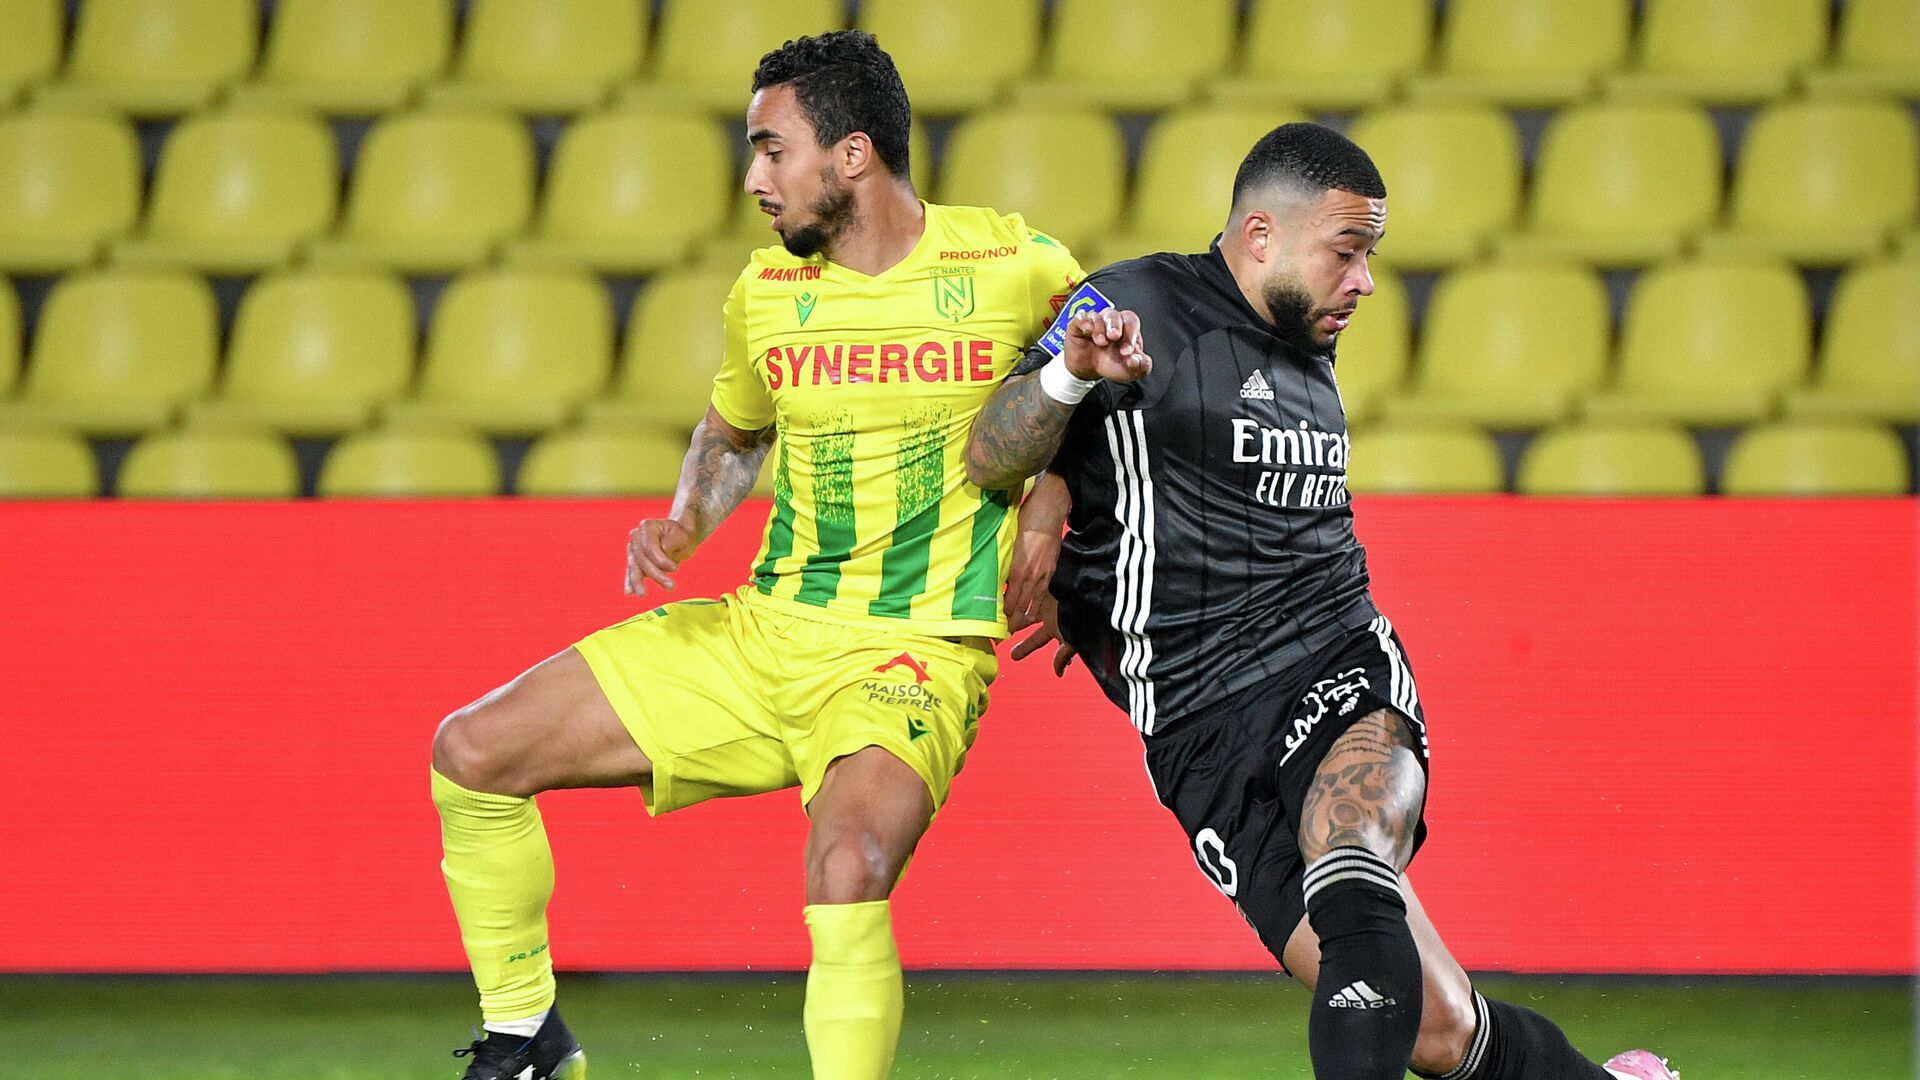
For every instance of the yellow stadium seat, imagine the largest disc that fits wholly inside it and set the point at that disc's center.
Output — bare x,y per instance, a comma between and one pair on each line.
1708,344
210,464
1405,459
1878,51
706,53
728,252
676,337
957,55
46,464
1622,185
1305,53
1870,349
1508,346
314,351
32,34
1374,351
434,191
410,464
513,351
1525,53
1724,52
116,352
545,56
1807,458
1453,180
631,192
237,192
1822,182
1131,55
1185,183
1071,192
602,462
351,57
1613,459
9,338
68,183
156,57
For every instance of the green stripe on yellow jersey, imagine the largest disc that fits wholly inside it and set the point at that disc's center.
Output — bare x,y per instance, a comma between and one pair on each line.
874,382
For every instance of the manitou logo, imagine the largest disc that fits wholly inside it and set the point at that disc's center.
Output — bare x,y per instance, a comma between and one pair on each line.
790,273
907,661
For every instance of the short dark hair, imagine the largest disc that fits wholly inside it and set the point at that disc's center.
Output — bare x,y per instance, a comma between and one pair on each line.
845,83
1309,158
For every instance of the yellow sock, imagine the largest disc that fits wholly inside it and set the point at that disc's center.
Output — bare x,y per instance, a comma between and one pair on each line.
854,993
499,873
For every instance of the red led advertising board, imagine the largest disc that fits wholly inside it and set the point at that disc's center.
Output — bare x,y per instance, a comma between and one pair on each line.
1659,729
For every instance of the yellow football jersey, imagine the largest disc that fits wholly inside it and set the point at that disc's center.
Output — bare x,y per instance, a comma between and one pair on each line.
873,383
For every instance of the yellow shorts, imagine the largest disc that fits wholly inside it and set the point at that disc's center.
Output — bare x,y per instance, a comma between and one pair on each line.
734,697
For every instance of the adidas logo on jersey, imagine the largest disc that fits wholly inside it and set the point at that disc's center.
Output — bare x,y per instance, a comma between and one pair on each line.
1359,996
1256,388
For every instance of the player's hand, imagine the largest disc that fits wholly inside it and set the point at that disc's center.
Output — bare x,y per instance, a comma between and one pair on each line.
1047,629
1106,345
1036,550
655,549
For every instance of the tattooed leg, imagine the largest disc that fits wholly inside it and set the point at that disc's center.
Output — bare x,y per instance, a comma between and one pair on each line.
1356,833
1367,792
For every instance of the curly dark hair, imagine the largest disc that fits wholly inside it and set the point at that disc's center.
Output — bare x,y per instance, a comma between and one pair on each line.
1311,158
845,83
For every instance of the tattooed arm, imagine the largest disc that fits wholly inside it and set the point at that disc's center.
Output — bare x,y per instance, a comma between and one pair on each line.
715,478
1015,434
1021,425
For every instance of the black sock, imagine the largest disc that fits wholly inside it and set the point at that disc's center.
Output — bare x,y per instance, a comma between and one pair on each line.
1366,1003
1516,1043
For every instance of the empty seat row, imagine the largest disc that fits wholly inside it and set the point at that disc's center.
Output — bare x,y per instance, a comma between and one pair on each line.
243,190
213,461
157,57
1521,344
218,461
1800,458
318,352
1515,345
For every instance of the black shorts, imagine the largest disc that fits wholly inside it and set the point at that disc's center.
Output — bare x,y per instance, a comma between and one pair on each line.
1237,772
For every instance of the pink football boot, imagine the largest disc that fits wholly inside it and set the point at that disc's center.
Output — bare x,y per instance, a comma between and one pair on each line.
1640,1065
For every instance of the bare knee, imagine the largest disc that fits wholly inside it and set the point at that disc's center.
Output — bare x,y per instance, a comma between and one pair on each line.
1447,1022
463,754
849,867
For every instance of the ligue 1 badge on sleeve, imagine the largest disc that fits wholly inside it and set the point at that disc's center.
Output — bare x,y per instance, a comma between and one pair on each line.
1084,298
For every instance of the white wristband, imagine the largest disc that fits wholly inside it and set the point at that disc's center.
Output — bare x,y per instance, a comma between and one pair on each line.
1062,385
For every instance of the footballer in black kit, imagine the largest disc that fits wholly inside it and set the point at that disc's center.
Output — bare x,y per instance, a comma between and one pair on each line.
1211,581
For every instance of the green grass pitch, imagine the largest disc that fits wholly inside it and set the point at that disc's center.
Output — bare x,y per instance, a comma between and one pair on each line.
1073,1027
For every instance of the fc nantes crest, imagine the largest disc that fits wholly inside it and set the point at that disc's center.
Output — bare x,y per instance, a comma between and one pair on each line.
953,292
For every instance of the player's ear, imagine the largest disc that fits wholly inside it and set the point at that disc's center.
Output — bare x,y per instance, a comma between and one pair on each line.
1256,234
855,155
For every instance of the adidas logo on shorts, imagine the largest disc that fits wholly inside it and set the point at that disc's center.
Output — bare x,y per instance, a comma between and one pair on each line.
1256,388
1359,996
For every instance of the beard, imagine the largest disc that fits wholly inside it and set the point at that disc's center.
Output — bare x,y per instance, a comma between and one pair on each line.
832,210
1295,316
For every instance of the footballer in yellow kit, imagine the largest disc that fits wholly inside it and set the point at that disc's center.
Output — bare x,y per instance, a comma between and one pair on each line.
875,597
855,659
